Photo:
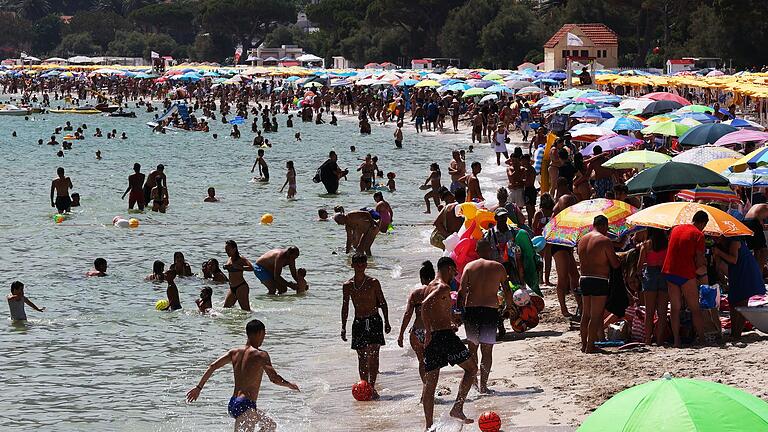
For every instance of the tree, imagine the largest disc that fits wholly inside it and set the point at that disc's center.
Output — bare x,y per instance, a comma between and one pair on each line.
509,37
177,19
46,34
459,37
128,44
14,34
77,43
245,22
160,43
102,26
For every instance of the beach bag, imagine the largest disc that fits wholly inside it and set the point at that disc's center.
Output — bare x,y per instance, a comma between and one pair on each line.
708,296
317,178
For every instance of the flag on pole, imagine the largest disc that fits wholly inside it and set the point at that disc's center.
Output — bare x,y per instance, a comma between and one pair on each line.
238,52
573,40
154,55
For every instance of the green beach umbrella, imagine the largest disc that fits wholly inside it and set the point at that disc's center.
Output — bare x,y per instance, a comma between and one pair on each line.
679,405
493,77
475,91
636,159
667,128
695,109
572,108
674,176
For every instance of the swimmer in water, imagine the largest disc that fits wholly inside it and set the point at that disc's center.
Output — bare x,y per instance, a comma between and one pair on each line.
290,180
172,292
322,215
301,280
61,186
180,265
98,154
75,199
17,300
385,211
268,269
236,266
212,271
135,189
158,272
99,268
204,303
211,196
263,168
249,363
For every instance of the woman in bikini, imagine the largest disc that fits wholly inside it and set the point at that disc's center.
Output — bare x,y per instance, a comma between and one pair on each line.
238,287
180,265
212,271
417,333
367,172
290,180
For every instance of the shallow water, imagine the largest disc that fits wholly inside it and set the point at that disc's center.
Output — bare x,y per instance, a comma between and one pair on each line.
101,358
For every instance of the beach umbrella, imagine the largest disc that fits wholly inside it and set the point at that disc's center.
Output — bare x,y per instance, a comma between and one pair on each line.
705,134
636,159
626,123
742,136
659,119
700,117
545,81
679,405
591,113
574,107
237,121
427,83
667,128
493,77
720,165
688,122
588,130
498,88
489,97
702,155
668,215
745,124
757,177
674,176
715,73
554,75
408,82
695,109
635,104
529,91
610,142
666,96
709,194
660,107
756,158
517,84
572,223
474,92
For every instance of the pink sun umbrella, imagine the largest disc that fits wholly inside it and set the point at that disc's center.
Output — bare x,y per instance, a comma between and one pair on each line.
657,96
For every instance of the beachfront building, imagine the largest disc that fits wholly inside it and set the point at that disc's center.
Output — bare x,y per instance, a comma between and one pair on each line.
269,56
582,41
678,65
421,64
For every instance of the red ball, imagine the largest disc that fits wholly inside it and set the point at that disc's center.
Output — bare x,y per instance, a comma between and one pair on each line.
362,391
489,421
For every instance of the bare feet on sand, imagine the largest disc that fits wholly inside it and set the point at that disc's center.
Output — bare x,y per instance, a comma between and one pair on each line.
458,413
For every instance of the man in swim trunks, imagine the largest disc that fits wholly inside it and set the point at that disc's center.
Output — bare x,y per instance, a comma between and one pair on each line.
361,229
263,168
685,268
478,294
367,327
135,187
384,210
249,363
442,346
597,258
457,170
61,186
330,173
270,265
153,179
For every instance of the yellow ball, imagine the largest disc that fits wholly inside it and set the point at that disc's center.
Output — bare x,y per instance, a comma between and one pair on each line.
133,222
267,219
162,304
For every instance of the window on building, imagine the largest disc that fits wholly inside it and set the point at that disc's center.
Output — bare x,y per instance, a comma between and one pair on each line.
598,53
565,53
584,53
604,52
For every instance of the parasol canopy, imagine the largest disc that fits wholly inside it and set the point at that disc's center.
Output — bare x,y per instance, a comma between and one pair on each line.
707,133
572,223
636,159
671,214
673,176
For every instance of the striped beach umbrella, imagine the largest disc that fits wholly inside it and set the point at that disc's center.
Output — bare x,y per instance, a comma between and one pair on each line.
709,194
757,158
574,222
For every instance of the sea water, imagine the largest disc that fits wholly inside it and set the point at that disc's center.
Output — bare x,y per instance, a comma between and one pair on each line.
102,358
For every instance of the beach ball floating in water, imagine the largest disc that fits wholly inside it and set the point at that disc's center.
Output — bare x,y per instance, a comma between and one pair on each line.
133,223
119,222
58,218
362,391
267,219
162,304
489,421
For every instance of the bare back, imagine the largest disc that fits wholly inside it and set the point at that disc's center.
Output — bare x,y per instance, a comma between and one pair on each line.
596,255
436,307
248,368
480,283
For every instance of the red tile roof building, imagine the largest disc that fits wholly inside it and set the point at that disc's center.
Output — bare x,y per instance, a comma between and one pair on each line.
587,40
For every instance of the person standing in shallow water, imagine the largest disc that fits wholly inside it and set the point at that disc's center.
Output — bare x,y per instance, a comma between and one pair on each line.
60,186
135,188
367,327
330,173
249,363
236,266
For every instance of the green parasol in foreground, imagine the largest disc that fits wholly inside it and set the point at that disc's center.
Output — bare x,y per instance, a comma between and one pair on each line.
679,405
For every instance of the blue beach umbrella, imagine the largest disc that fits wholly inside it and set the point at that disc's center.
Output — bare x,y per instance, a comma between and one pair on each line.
498,88
699,117
237,121
591,113
626,123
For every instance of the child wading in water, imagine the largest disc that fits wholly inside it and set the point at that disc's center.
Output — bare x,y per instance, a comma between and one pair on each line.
290,180
17,300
